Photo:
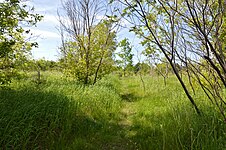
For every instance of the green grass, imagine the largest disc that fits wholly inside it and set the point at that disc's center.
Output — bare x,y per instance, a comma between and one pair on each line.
164,119
116,113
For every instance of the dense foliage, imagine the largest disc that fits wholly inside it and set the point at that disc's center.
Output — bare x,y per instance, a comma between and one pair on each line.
125,55
88,49
14,47
98,59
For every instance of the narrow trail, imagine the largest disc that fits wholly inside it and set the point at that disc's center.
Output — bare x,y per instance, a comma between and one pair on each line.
127,113
125,132
127,110
126,122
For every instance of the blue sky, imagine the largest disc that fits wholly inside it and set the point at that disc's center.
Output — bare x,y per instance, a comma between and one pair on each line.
49,38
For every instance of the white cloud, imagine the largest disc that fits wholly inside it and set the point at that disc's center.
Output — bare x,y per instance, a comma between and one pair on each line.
44,34
125,23
101,17
51,19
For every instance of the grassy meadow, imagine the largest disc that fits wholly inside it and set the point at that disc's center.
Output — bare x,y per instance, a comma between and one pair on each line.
116,113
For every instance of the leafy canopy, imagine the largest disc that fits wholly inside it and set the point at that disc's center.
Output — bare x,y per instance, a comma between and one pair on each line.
96,53
14,47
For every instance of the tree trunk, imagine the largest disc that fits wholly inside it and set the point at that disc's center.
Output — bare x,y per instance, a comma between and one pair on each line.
96,73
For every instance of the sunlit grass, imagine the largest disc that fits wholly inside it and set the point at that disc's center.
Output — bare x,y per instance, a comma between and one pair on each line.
116,113
54,113
163,118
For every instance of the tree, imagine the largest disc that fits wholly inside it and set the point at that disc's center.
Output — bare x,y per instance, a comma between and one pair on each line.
185,32
163,70
126,56
89,50
161,65
105,46
142,67
222,37
14,48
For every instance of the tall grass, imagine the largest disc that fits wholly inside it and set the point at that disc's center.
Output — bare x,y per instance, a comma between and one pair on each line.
61,113
163,118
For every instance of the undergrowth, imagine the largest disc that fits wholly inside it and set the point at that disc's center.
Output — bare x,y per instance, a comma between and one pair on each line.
115,113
